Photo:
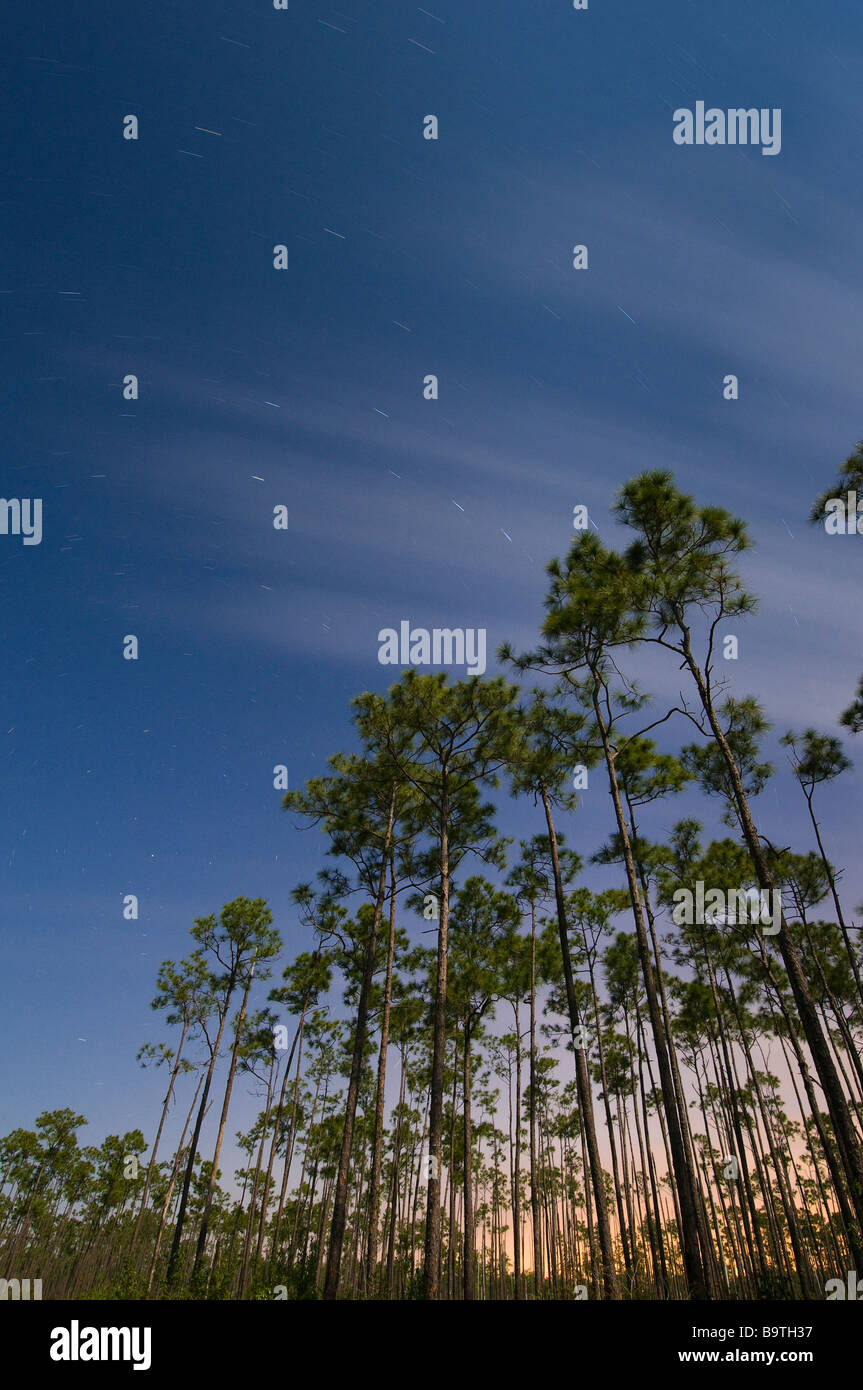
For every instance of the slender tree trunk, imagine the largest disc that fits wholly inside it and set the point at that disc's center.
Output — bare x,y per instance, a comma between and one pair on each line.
516,1186
451,1234
396,1155
828,869
534,1101
178,1158
247,1244
151,1164
337,1230
585,1094
308,1153
173,1260
377,1137
211,1187
661,1274
707,1250
431,1276
683,1175
289,1143
469,1259
609,1122
837,1105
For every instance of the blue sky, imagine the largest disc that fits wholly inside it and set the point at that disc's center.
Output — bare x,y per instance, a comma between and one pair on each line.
407,257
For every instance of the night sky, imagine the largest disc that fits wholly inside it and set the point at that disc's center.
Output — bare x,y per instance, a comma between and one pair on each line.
304,388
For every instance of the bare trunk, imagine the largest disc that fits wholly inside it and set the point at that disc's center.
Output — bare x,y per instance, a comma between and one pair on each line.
152,1162
431,1276
377,1137
585,1093
682,1173
205,1219
340,1198
846,1134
